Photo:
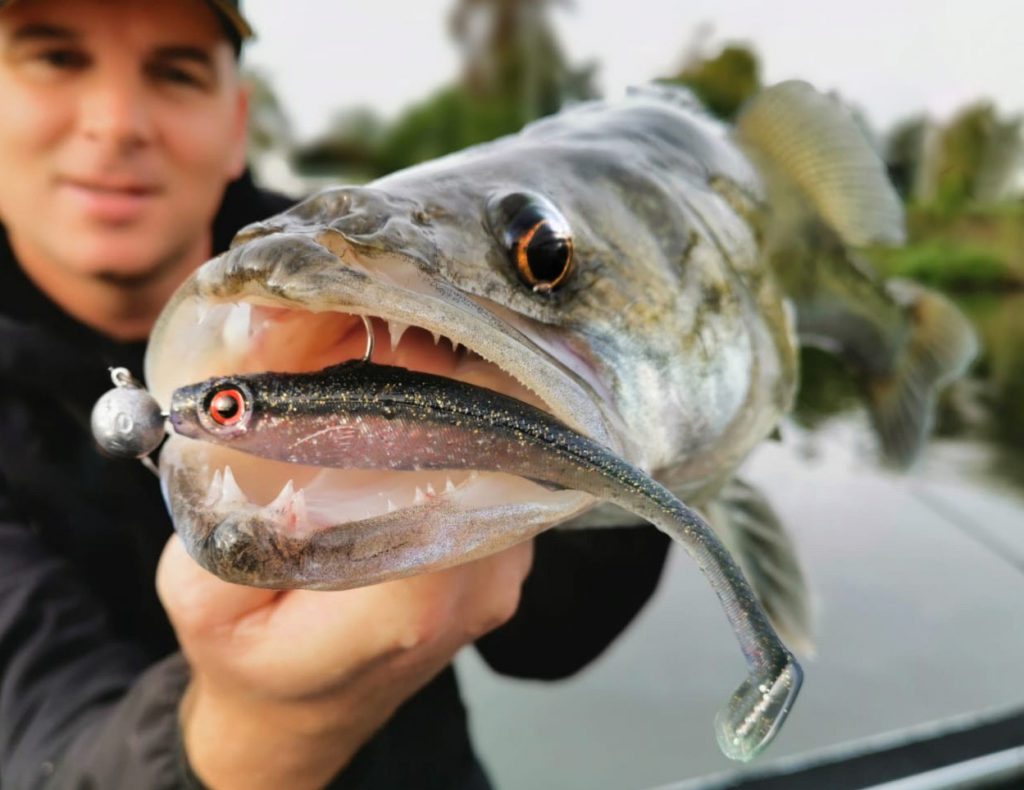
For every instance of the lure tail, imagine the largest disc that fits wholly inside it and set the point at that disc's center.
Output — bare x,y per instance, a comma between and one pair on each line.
759,706
756,711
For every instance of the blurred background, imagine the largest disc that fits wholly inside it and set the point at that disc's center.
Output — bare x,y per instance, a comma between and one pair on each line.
918,577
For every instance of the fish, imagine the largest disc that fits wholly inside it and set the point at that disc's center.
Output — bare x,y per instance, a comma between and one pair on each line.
360,415
626,266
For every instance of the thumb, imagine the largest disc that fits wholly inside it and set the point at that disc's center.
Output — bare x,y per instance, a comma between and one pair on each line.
198,601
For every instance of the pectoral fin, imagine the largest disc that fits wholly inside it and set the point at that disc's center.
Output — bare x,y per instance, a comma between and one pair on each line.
754,535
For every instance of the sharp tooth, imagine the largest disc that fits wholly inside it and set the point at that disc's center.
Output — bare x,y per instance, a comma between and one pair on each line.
392,507
289,507
456,345
237,326
231,495
284,499
420,497
395,330
202,310
449,486
436,336
300,515
430,490
213,493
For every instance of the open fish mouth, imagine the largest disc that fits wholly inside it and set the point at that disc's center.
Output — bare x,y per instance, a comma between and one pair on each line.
286,303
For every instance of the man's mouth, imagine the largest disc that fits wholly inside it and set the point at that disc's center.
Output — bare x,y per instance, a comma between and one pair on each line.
108,200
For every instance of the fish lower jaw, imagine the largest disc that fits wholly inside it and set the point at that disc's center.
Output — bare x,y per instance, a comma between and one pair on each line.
328,500
216,485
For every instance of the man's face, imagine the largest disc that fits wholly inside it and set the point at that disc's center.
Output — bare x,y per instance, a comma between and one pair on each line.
122,121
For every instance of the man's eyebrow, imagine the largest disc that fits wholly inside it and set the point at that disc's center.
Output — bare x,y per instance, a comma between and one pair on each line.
39,30
185,52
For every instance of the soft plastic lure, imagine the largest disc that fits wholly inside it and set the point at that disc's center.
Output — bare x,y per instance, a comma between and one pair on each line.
368,416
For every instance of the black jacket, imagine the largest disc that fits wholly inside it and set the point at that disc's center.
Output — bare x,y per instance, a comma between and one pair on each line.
90,676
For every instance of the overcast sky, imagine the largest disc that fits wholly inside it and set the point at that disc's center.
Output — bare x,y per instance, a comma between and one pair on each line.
891,57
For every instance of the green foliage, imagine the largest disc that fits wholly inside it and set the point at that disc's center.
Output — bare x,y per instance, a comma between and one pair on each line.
932,219
452,119
513,72
1009,404
962,152
351,143
723,83
903,148
449,121
268,125
826,388
999,321
946,266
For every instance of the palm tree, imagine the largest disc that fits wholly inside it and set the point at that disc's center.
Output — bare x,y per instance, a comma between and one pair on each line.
511,53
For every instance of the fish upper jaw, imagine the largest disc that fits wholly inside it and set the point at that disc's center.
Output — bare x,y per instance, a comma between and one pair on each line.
287,303
212,323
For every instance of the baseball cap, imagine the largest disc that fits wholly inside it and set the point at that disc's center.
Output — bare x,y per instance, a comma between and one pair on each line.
228,11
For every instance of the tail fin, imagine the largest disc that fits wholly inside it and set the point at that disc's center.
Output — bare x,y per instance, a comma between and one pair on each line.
939,347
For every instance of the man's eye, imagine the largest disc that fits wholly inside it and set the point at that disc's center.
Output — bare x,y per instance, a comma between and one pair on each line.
63,58
175,75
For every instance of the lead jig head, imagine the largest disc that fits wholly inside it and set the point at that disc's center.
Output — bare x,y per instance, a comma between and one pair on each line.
127,421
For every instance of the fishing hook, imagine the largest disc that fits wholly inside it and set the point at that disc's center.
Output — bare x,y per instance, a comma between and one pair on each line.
369,338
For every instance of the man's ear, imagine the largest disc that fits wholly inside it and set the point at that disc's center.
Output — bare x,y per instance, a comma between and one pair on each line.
237,158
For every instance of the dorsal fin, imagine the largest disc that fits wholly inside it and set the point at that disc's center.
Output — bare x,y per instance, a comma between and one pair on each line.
806,141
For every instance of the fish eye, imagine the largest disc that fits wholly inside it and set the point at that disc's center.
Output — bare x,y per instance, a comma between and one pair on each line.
543,256
226,405
536,237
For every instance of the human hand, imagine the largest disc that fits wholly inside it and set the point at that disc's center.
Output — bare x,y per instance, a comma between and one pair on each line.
286,686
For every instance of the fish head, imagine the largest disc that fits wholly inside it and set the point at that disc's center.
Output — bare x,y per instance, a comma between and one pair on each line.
602,281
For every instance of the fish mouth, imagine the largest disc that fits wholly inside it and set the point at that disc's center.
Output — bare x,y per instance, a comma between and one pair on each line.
291,303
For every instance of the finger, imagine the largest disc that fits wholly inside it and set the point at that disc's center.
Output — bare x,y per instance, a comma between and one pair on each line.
506,569
455,604
196,600
491,589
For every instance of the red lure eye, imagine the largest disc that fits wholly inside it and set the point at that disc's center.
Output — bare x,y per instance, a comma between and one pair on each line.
227,407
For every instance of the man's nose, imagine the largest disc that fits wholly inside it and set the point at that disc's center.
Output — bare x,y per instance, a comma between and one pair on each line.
116,113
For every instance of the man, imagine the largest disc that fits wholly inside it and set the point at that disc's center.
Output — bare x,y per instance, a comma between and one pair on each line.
122,152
